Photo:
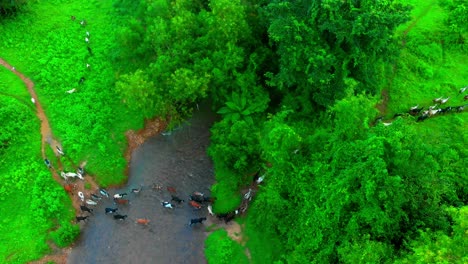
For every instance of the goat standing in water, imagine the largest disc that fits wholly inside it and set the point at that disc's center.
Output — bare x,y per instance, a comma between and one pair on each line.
142,221
104,193
135,190
111,210
195,205
176,199
121,201
120,217
197,220
167,205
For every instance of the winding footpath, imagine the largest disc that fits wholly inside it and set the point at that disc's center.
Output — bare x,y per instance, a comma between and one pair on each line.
46,132
47,138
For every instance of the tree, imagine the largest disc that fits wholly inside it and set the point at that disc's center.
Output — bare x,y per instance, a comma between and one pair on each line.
320,43
10,7
439,247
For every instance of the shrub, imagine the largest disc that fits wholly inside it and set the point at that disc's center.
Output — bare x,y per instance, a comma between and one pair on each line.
221,249
66,234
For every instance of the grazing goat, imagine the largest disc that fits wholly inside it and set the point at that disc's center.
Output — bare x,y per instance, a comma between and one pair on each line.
59,150
81,195
462,90
47,163
135,190
85,208
195,205
443,101
121,201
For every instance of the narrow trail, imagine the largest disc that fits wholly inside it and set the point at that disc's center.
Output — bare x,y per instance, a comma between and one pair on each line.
46,132
47,138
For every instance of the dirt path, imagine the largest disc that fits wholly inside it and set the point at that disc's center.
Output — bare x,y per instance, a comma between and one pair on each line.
47,138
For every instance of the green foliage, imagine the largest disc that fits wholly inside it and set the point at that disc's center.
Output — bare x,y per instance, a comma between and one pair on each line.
320,44
138,92
438,247
457,21
221,249
10,7
235,146
66,234
227,194
264,247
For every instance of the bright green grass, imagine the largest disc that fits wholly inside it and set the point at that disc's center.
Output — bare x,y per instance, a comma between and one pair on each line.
47,46
22,238
427,68
11,85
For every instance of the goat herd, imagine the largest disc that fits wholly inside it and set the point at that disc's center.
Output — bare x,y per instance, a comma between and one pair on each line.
196,200
433,110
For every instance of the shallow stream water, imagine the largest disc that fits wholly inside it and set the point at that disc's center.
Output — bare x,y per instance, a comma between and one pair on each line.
178,160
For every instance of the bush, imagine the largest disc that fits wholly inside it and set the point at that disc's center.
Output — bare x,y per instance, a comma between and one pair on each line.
221,249
65,235
227,197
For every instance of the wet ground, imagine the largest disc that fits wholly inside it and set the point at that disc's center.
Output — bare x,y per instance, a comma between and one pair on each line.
177,160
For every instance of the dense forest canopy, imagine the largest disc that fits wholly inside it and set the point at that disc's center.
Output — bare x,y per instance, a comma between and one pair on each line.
314,96
296,84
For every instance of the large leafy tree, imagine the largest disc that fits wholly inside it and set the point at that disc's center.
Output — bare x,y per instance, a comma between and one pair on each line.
320,43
